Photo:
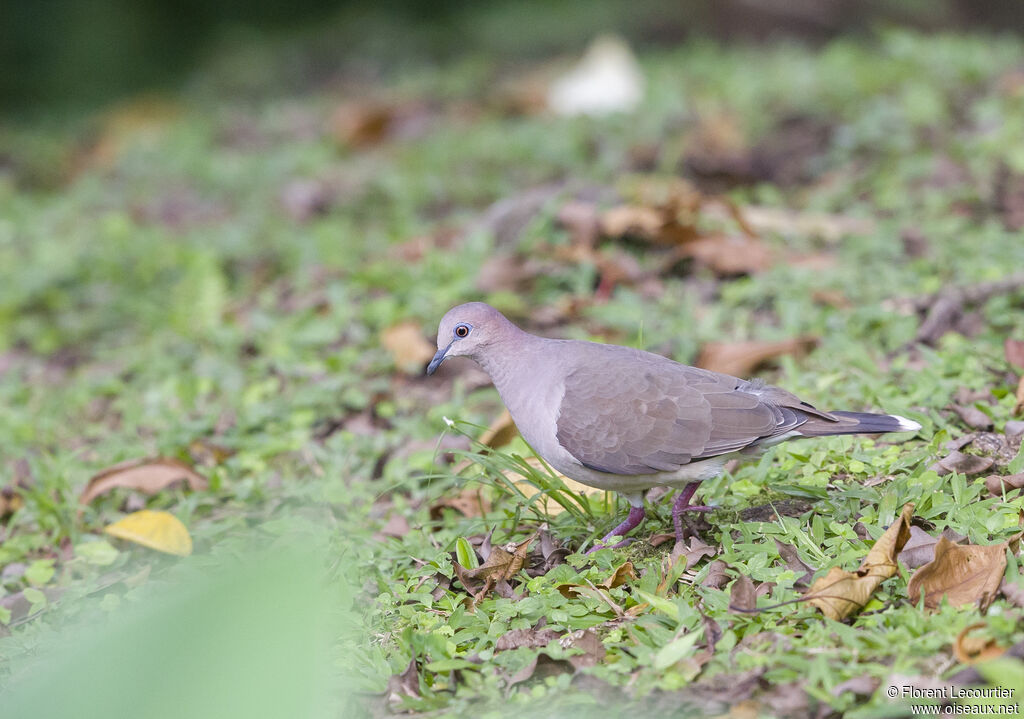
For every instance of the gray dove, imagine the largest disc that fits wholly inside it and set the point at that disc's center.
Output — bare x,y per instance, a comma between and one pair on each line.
625,420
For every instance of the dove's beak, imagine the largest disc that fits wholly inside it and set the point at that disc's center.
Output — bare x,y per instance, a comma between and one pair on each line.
438,359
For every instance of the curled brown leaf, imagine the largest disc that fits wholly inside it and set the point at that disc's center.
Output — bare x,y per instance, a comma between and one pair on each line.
840,593
963,574
148,476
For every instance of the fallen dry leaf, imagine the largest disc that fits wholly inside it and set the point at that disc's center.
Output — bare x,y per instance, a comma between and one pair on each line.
407,346
1013,591
789,555
400,686
10,502
742,596
591,648
963,574
740,359
973,417
729,256
634,221
840,593
470,502
693,552
832,228
148,476
716,577
366,122
155,529
501,431
957,461
530,638
205,452
546,504
501,565
997,485
622,574
581,220
919,549
970,650
1014,351
1018,408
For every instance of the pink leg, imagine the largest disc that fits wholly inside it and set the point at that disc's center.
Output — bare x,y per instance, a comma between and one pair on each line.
682,504
636,515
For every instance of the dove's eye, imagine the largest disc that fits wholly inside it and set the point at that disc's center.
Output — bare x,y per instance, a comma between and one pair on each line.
462,330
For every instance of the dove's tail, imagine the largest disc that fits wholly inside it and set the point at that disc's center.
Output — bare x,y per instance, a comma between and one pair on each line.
856,423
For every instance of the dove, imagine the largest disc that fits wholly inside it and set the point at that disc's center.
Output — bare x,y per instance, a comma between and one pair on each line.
625,420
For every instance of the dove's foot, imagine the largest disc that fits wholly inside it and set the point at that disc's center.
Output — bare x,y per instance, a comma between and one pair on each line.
636,515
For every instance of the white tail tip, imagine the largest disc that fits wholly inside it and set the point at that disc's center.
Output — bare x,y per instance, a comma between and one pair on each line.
906,425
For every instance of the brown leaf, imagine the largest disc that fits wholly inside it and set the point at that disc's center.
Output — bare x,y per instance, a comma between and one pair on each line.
10,501
148,476
407,346
587,641
781,221
729,256
531,638
540,667
470,502
997,485
693,552
862,686
789,555
400,686
205,452
1014,351
964,574
1013,591
581,221
546,504
740,359
840,593
1018,408
503,563
957,461
742,597
501,431
632,221
622,574
397,526
973,417
919,549
716,577
970,650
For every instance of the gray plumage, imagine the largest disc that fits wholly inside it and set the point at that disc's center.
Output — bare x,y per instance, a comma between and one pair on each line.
626,420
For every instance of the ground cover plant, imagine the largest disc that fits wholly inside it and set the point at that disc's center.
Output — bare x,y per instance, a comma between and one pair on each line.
236,293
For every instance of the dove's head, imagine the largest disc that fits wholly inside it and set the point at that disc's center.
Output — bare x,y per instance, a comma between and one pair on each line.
470,330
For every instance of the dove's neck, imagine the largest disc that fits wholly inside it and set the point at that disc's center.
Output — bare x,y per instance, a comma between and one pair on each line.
515,363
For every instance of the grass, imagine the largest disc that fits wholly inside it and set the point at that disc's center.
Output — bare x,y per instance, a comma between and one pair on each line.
165,294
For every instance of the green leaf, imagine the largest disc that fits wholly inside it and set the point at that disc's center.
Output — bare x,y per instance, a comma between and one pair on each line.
100,553
40,572
675,650
465,554
659,603
1017,463
35,597
449,665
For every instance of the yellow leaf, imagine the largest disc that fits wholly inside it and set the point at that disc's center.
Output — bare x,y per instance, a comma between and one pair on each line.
546,504
840,593
157,530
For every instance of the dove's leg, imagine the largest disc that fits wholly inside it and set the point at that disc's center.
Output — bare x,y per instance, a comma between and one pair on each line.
682,504
636,515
